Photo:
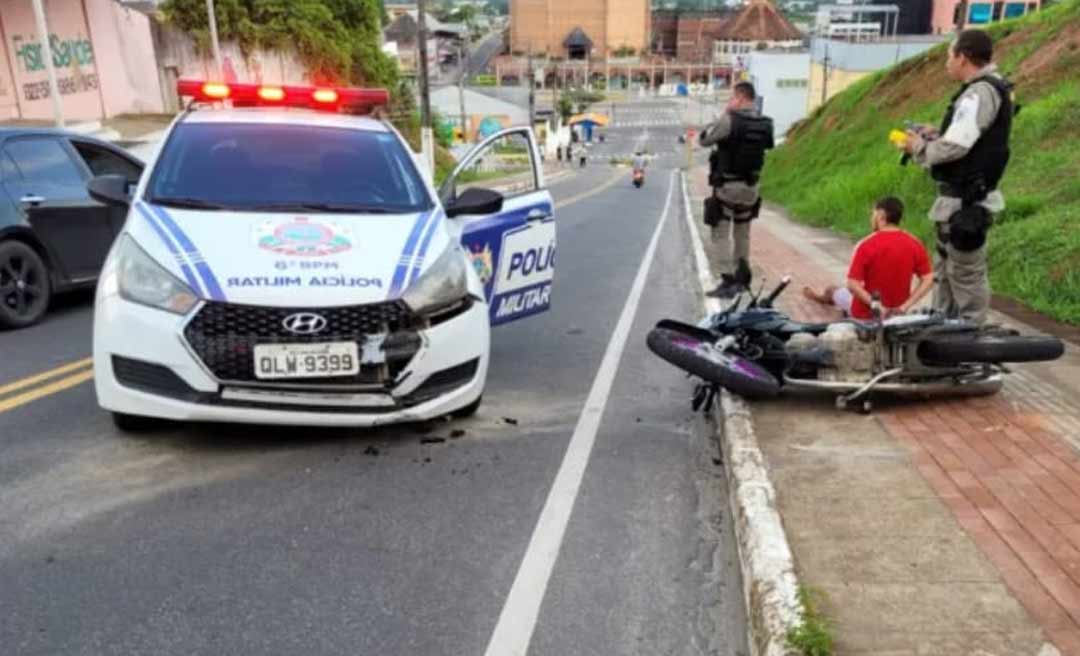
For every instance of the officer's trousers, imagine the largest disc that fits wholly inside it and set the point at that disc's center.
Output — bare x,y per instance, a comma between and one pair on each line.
961,280
732,233
733,241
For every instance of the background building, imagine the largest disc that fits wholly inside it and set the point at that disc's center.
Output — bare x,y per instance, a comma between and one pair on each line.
687,35
103,53
781,79
953,15
759,25
836,64
608,26
484,114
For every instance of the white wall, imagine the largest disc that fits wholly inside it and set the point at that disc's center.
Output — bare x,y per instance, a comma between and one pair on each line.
782,80
125,56
178,55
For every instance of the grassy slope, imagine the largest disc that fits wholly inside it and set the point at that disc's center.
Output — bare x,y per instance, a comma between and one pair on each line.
839,160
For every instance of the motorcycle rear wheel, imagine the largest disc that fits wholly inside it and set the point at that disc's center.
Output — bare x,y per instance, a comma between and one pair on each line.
696,356
957,349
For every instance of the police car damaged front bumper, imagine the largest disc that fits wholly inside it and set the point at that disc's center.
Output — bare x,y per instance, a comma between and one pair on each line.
201,367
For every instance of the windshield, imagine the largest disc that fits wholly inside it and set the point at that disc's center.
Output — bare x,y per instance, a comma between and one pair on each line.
274,167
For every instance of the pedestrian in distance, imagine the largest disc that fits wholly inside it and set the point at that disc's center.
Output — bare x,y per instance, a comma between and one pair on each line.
739,137
966,157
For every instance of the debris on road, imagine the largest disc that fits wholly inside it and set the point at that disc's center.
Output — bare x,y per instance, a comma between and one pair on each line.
432,440
371,451
510,420
457,433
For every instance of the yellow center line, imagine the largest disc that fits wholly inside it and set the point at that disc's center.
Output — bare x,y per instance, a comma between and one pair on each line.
582,196
52,388
45,375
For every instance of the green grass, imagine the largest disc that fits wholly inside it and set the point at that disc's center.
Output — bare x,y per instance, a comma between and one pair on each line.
814,636
836,163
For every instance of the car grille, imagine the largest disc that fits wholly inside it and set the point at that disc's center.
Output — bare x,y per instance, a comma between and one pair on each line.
224,335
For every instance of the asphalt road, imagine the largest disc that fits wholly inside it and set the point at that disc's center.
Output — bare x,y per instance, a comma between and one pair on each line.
234,540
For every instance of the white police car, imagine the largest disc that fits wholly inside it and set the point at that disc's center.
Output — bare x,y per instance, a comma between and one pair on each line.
285,262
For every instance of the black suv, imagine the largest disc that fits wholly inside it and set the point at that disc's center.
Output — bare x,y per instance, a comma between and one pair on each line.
53,236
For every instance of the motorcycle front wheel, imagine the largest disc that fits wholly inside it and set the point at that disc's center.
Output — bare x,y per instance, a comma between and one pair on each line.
699,357
957,349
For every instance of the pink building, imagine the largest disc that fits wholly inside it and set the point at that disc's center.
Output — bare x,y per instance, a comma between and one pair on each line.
103,54
954,15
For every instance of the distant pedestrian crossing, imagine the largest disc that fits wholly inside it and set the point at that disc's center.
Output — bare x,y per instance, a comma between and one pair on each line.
628,118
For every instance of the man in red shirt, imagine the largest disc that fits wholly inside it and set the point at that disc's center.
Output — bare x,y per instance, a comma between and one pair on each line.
883,263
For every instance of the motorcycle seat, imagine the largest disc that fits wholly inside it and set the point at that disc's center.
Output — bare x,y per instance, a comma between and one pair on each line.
793,327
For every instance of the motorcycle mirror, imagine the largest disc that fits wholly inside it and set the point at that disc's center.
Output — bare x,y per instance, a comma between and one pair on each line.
755,297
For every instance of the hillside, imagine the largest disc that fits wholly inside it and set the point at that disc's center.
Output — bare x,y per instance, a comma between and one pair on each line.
839,160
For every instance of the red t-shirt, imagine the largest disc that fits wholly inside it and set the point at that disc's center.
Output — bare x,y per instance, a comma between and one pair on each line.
885,262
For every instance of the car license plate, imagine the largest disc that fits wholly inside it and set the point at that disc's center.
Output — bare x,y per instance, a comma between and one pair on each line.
306,360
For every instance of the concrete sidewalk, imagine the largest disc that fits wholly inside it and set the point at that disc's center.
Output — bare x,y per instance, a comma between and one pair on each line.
940,527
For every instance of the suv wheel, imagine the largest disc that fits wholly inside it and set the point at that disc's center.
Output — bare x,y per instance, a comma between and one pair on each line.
24,285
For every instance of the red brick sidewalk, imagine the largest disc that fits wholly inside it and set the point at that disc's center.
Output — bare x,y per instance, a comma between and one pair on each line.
1002,464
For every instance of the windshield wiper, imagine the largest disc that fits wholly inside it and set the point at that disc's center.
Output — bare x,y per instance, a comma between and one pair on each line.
321,207
187,203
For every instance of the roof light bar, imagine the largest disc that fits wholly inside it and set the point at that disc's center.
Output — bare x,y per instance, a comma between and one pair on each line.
216,90
271,94
247,95
324,96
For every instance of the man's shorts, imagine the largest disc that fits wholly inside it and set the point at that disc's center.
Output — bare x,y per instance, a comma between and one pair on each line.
842,298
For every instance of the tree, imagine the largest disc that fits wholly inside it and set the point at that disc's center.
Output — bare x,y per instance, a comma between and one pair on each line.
338,40
565,107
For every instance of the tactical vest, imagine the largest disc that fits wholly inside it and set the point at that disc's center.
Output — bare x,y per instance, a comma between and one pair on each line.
980,170
741,155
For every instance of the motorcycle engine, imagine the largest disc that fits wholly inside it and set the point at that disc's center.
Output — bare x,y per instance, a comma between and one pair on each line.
852,358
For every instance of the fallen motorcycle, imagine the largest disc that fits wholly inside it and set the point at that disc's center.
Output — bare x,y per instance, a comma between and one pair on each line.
754,350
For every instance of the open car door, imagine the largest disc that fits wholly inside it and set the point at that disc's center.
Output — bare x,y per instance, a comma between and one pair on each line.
512,249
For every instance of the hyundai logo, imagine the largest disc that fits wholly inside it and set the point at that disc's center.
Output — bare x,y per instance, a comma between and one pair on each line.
304,323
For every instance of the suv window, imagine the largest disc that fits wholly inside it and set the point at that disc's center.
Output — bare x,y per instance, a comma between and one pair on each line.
103,162
288,168
43,161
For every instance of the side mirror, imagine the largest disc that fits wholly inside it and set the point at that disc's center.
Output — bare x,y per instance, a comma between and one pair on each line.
110,190
475,201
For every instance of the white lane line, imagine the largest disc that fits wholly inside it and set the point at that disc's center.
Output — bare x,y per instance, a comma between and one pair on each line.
519,614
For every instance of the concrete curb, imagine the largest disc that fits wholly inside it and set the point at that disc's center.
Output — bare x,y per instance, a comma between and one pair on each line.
768,568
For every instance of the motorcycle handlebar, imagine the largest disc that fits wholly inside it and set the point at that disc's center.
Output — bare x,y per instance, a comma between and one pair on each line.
784,282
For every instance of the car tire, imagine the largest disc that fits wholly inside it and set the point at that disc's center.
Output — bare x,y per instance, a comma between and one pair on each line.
25,287
135,423
469,410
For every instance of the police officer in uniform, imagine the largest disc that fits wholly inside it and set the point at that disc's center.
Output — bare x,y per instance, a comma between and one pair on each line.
740,136
966,157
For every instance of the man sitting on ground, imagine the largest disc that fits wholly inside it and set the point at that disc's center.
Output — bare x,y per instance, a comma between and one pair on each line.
883,263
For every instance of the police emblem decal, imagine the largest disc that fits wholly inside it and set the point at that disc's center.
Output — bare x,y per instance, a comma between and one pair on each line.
303,237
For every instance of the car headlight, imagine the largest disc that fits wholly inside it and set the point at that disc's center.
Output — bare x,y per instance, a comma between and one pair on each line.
444,284
142,280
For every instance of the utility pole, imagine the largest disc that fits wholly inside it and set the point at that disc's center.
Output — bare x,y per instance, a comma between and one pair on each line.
427,140
421,46
461,95
825,73
532,91
47,55
211,18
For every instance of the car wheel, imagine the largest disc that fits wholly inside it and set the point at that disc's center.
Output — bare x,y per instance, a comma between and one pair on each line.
468,410
135,423
24,285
